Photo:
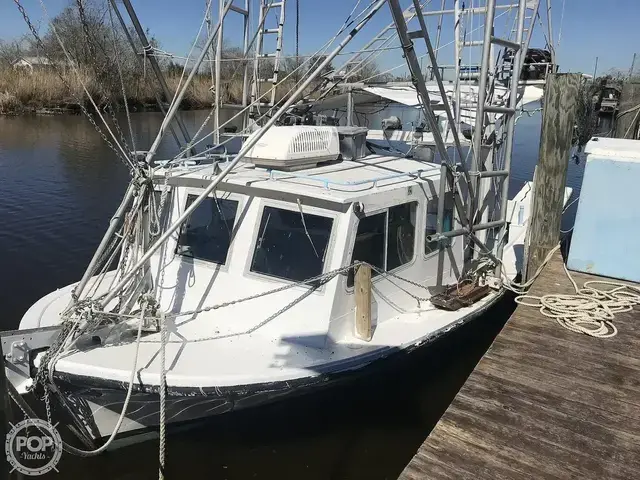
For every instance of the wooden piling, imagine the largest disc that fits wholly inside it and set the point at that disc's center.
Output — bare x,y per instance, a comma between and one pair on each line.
558,120
362,290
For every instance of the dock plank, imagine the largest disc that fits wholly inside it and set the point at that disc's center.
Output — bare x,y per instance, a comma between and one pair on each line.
544,402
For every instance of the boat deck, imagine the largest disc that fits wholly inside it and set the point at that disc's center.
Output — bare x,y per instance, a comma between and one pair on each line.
543,402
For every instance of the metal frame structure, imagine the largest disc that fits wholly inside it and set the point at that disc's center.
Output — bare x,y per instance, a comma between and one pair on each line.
265,8
152,61
245,12
470,224
486,108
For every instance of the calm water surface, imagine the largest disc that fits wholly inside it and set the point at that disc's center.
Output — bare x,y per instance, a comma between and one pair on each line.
60,184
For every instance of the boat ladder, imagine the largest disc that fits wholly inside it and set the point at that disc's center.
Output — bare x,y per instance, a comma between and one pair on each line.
264,60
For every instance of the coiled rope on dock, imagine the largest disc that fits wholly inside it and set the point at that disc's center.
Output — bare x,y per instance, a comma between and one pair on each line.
590,310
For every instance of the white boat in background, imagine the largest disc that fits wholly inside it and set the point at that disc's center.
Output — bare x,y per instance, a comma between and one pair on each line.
307,256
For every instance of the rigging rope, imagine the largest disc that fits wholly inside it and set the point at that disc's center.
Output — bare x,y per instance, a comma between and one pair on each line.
58,349
76,71
317,57
122,86
561,23
101,70
163,397
186,63
297,36
84,110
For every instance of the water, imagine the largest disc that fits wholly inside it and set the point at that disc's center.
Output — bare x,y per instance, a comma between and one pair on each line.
59,185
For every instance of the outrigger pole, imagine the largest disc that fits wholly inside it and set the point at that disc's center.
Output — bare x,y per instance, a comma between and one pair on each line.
113,225
135,51
152,59
245,149
173,108
115,220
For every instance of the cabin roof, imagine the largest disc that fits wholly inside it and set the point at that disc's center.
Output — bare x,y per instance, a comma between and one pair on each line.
341,182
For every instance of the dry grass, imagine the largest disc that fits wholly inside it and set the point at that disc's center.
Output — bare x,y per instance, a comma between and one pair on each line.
9,103
21,91
42,88
198,94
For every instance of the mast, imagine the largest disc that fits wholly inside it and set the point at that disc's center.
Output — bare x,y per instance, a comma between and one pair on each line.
457,17
218,71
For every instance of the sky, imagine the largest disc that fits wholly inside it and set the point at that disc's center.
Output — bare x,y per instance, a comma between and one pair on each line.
582,30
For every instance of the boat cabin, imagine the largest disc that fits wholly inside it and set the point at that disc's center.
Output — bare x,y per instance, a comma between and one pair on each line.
265,229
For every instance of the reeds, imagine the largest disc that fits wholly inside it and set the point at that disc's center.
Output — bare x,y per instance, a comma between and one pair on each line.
25,91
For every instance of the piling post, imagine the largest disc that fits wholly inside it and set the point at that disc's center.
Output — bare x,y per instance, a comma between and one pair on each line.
362,288
558,120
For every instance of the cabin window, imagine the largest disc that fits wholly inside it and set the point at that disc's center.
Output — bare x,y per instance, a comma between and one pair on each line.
206,234
400,234
163,215
291,245
386,240
432,220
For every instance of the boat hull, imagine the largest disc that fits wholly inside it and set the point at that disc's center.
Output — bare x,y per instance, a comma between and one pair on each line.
97,403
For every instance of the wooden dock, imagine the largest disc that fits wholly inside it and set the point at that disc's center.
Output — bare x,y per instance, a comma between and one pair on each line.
543,402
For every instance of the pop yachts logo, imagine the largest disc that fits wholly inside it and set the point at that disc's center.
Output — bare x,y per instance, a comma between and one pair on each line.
33,447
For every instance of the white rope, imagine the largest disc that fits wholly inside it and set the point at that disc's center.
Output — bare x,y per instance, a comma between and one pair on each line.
125,406
163,393
590,310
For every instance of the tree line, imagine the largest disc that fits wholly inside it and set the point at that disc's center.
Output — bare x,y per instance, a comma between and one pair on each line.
101,52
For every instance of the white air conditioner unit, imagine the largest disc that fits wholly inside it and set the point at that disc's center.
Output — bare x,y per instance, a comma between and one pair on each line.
295,147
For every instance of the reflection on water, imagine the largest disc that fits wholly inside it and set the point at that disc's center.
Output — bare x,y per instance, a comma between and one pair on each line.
60,184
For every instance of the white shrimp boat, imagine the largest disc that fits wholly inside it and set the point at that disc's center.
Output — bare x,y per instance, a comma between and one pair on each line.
244,278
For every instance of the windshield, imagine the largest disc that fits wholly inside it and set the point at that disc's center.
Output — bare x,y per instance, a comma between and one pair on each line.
290,244
206,234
